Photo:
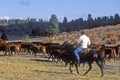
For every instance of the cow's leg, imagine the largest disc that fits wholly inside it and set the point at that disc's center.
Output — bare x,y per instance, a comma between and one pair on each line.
35,54
114,52
66,63
44,51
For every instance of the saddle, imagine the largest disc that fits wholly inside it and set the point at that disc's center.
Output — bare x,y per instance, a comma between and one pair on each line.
85,51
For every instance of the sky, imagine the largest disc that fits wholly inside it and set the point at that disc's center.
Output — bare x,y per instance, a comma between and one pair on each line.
43,9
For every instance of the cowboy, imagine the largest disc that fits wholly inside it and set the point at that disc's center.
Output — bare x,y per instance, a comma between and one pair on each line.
84,41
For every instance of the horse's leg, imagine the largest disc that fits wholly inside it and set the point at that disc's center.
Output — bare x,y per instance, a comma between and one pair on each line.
100,66
76,66
82,64
70,67
90,67
102,57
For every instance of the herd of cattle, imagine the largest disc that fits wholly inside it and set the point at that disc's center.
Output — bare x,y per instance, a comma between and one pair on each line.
63,52
52,50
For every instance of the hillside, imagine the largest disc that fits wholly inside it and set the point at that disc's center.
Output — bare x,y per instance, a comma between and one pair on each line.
102,35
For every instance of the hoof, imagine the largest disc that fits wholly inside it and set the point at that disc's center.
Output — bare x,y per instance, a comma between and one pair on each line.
70,71
101,75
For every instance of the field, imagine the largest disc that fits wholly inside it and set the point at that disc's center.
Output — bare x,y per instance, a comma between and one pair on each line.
29,68
26,67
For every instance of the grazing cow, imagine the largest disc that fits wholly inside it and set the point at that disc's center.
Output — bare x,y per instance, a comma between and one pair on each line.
89,57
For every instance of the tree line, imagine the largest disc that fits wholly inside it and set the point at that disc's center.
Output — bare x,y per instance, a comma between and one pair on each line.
51,27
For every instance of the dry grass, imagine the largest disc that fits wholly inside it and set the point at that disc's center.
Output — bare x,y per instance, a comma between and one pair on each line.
14,68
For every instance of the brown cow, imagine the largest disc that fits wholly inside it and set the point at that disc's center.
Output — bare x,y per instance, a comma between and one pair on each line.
26,48
110,51
3,47
38,48
14,49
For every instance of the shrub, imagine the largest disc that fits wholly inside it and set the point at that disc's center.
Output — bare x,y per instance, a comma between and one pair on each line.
26,39
4,36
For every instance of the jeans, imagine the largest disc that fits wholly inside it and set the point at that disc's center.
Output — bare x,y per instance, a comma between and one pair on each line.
76,53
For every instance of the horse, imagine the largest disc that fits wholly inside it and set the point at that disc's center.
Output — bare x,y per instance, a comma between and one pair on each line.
88,56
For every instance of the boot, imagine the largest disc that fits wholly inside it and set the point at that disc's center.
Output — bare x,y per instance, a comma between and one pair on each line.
78,62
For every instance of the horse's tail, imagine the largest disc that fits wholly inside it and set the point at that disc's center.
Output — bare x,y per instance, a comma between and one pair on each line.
95,55
98,56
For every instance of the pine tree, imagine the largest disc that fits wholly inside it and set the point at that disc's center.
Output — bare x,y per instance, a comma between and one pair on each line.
54,25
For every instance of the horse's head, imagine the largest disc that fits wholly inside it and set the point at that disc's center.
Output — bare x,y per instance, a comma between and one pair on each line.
68,46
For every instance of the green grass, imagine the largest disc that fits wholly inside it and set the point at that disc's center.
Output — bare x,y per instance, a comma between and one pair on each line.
26,69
